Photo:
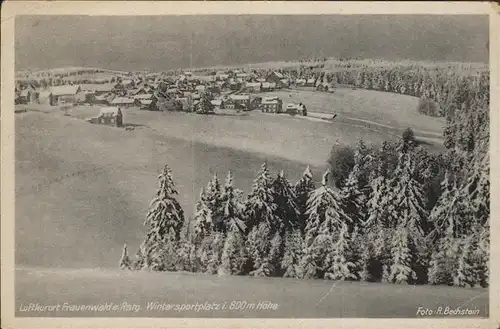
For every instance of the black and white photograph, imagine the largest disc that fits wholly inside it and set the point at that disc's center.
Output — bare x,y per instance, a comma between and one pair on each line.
251,166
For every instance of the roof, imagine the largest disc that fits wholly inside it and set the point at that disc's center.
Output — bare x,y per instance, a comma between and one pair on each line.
44,94
122,100
126,82
216,102
253,84
143,96
269,102
97,87
240,97
292,106
65,90
311,80
270,98
200,87
279,75
146,101
109,111
268,84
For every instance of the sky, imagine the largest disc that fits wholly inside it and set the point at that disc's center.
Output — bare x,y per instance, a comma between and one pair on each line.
161,43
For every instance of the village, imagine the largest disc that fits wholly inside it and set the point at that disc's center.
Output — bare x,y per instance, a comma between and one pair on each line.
216,92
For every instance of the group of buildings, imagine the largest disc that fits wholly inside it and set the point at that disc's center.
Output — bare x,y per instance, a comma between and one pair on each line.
232,89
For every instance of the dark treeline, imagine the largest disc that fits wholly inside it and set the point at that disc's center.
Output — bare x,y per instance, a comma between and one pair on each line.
441,85
391,213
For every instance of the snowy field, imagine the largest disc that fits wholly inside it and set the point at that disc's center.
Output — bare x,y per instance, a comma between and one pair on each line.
85,190
200,296
389,110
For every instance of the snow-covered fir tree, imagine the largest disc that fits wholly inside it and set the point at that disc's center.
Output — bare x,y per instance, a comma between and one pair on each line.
353,200
325,220
463,273
203,223
294,246
187,253
408,201
164,219
276,254
212,198
262,222
215,253
260,206
286,208
259,247
403,257
234,255
232,207
303,189
341,267
125,262
379,190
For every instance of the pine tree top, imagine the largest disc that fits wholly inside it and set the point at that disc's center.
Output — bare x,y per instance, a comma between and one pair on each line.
324,179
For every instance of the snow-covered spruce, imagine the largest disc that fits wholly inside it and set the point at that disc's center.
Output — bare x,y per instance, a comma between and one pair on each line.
341,267
203,223
303,189
164,219
125,262
212,198
286,207
232,216
294,247
325,219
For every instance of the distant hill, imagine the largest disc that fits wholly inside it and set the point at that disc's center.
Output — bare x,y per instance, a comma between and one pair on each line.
166,42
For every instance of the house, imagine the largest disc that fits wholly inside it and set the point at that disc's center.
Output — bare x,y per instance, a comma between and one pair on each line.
168,104
205,78
45,97
149,104
253,87
65,95
214,90
172,91
143,96
268,86
311,82
294,109
112,116
222,76
128,83
240,101
275,77
300,82
271,105
242,76
125,102
200,88
284,83
218,103
103,99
